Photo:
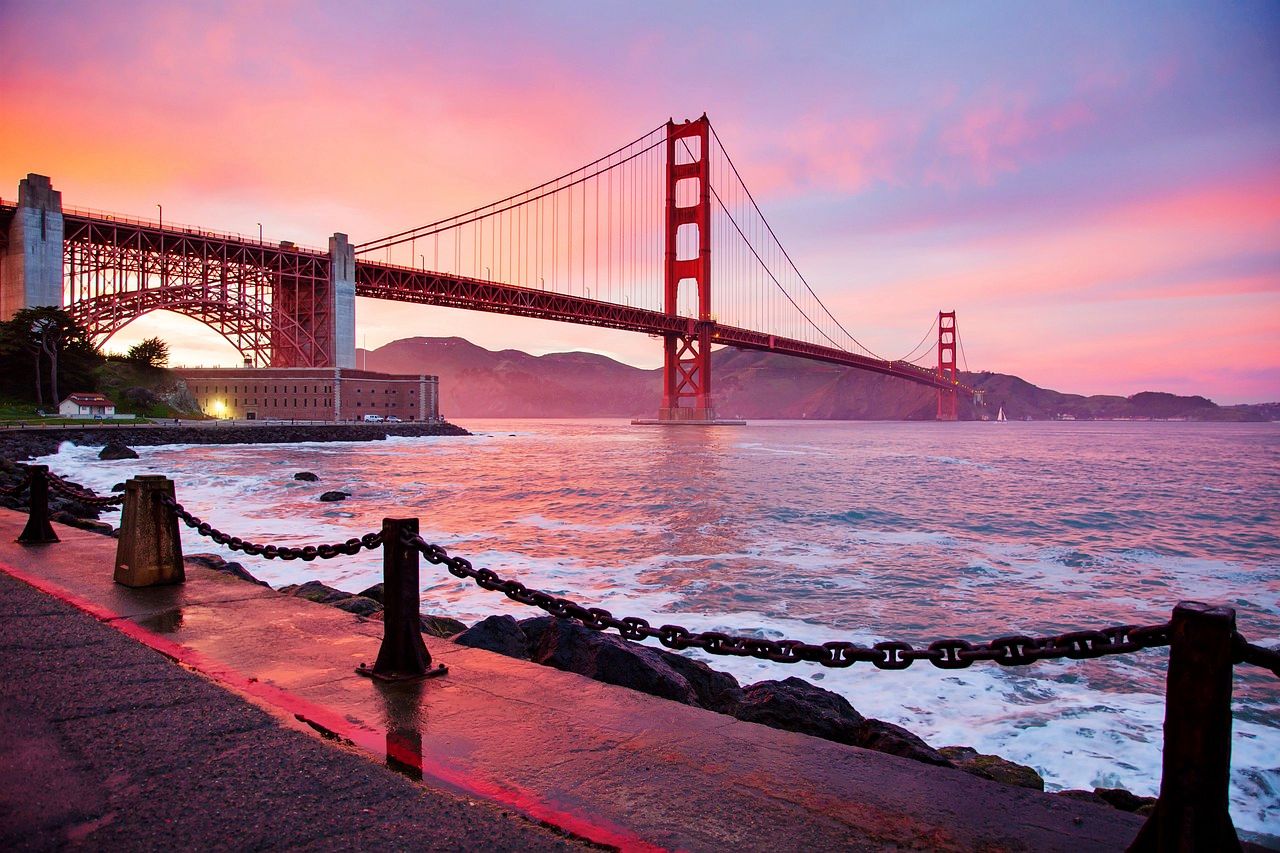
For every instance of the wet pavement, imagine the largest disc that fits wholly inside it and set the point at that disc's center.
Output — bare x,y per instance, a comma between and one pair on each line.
109,745
605,763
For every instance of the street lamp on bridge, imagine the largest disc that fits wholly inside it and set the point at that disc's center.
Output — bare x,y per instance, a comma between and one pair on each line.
160,207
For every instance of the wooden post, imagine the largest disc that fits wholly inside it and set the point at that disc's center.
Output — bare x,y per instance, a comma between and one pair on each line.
1191,813
403,655
149,552
38,530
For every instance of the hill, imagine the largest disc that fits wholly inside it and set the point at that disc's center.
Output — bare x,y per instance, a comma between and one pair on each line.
476,382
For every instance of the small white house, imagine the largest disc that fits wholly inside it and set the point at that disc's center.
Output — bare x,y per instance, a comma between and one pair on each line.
87,406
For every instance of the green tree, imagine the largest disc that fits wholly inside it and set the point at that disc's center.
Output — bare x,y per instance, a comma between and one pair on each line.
151,352
36,338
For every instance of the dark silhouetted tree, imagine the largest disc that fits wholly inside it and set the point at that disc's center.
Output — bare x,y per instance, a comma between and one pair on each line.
39,336
151,352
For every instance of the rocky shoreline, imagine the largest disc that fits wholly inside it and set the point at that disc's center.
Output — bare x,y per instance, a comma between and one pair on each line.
792,704
21,444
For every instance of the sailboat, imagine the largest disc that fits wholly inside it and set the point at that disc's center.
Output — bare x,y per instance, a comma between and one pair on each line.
1000,415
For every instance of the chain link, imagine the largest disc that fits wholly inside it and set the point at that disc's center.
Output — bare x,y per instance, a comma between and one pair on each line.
945,654
82,495
1246,652
307,553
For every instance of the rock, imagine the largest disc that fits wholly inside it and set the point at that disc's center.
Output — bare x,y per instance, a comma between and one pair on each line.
499,634
569,646
63,517
317,592
895,740
993,767
1083,796
374,592
442,626
305,476
1125,801
215,562
329,497
357,604
116,450
796,705
118,487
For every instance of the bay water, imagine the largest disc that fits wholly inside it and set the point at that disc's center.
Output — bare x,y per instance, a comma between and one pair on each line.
827,531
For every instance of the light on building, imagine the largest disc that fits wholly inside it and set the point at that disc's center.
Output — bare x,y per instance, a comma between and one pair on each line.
219,409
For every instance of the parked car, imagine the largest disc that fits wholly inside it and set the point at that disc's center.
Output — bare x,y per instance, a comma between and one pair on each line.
392,419
373,419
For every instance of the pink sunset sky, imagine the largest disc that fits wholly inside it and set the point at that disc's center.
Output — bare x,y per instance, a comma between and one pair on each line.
1094,188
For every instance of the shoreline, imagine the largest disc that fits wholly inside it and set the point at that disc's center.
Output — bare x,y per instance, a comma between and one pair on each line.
28,443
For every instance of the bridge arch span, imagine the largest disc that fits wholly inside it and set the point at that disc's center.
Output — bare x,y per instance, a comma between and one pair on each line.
248,325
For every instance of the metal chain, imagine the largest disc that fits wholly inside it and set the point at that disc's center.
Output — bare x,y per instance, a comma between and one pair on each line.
1246,652
272,552
82,495
1016,650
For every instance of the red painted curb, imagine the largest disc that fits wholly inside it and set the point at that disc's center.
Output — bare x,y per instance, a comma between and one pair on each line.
370,740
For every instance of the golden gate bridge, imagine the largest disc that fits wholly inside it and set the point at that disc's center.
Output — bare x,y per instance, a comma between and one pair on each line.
623,242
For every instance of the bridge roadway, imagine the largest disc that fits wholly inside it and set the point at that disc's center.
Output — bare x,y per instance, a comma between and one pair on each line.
406,284
134,743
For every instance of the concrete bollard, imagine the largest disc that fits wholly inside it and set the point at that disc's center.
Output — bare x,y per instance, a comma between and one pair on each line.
38,530
1191,813
403,655
149,552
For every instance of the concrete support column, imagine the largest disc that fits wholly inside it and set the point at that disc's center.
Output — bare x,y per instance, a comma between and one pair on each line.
342,279
31,264
337,394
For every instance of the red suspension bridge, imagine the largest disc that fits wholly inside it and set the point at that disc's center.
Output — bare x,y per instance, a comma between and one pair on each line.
624,242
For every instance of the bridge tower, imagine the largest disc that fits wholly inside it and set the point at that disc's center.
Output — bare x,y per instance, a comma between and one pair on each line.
947,364
686,365
321,306
31,256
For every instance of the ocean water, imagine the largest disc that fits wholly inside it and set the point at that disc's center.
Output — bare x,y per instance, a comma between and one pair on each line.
828,531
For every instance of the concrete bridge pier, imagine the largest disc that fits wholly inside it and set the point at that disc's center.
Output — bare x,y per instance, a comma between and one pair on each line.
342,280
31,258
313,310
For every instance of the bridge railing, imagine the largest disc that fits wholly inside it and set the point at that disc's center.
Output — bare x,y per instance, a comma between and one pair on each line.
1191,812
182,228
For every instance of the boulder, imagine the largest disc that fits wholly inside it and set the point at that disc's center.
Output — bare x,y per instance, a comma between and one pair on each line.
499,634
215,562
357,604
118,487
993,767
1126,801
1082,795
329,497
305,476
442,626
116,450
569,646
317,592
798,706
374,592
63,517
895,740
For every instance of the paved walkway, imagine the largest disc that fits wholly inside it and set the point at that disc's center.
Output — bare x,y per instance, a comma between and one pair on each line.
606,763
112,746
